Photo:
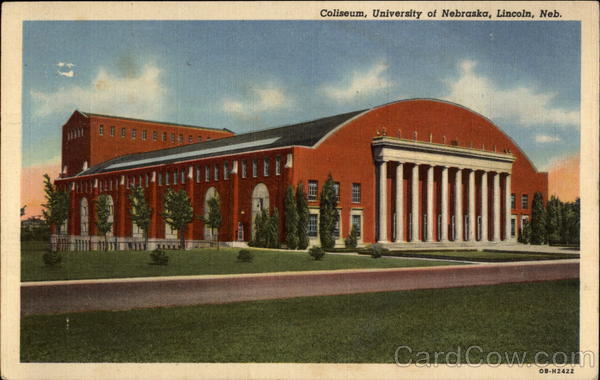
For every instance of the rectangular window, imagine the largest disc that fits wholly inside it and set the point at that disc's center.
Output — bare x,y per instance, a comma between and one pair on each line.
356,193
512,201
144,134
133,133
172,137
154,136
226,171
190,139
356,224
123,132
197,174
525,201
175,177
101,130
216,175
336,228
254,168
147,180
336,188
112,130
164,136
180,138
167,178
159,179
313,189
244,169
513,228
278,165
206,174
199,138
266,167
313,220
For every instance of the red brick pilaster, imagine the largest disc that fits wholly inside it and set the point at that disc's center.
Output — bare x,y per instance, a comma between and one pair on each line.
73,215
234,201
91,196
153,201
120,210
189,234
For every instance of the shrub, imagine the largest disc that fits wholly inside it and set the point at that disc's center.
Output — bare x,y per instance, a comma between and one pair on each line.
316,252
52,258
352,240
525,236
159,257
377,250
245,255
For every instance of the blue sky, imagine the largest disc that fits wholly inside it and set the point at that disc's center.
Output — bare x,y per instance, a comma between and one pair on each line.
246,75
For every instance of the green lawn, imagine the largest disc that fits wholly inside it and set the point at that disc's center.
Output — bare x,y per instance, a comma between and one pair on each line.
87,265
526,317
485,256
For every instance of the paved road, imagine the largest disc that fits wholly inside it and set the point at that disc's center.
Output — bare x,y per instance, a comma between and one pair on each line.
124,294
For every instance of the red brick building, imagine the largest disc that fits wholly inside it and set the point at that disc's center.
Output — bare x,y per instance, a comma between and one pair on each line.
89,139
394,166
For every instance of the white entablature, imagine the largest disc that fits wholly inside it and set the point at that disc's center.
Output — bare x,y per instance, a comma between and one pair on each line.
420,152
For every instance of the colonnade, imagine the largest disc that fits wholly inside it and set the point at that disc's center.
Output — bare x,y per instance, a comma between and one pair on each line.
471,220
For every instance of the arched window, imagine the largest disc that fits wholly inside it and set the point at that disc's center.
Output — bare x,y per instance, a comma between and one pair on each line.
210,193
260,201
84,217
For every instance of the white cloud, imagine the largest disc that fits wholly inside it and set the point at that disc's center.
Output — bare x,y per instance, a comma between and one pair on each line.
546,139
262,99
528,106
360,83
69,74
141,96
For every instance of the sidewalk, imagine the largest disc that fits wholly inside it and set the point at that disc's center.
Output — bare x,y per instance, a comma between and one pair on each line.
124,294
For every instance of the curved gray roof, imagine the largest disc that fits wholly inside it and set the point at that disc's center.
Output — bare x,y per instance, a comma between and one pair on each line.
302,134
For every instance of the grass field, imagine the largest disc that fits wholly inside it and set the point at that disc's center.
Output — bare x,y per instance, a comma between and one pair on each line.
88,265
485,256
367,328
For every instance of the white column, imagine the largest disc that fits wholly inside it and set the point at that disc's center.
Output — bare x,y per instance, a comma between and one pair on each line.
507,211
484,207
444,203
415,203
496,236
458,206
430,217
382,201
472,218
399,202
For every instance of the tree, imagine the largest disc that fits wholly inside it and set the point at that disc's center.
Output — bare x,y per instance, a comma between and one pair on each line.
525,236
554,221
302,209
213,219
352,240
56,208
571,222
274,241
140,211
178,212
538,220
328,214
291,219
103,213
